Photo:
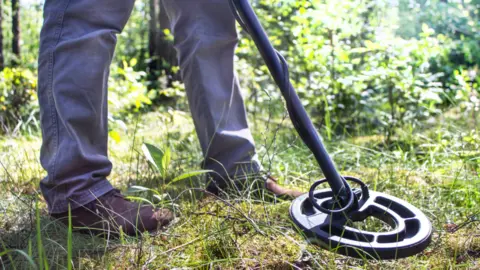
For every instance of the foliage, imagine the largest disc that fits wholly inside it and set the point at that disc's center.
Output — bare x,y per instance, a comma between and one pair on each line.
459,20
160,162
18,104
370,77
129,93
467,90
30,24
359,66
126,88
133,41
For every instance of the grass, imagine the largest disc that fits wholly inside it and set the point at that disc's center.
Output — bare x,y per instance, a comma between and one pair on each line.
434,166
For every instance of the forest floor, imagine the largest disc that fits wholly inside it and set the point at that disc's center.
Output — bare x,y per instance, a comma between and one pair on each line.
434,166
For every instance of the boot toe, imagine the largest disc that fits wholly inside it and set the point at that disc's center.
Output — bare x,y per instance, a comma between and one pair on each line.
153,219
163,217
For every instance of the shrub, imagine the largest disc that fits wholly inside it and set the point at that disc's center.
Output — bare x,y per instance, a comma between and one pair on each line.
354,73
18,99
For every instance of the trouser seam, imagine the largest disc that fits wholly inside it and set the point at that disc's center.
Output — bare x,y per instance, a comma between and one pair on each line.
53,111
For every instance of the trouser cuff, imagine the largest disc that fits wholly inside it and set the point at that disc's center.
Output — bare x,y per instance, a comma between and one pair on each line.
80,199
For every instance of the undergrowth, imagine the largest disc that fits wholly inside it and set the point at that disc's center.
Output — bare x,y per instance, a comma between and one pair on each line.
435,166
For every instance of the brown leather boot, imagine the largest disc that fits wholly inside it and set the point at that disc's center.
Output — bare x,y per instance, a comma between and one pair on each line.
262,187
110,212
272,185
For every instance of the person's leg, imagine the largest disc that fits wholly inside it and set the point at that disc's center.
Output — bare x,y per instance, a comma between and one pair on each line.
77,42
205,39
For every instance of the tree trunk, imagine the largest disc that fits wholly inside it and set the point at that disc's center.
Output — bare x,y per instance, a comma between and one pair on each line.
16,32
162,54
152,37
2,61
165,51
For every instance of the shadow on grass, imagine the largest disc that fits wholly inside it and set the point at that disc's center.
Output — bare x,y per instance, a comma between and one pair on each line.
19,233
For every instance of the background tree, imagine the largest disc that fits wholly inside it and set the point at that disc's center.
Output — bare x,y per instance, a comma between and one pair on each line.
152,33
160,46
16,32
1,37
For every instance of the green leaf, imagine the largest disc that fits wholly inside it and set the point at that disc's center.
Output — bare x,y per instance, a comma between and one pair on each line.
154,156
160,197
139,199
159,159
134,189
133,62
188,175
115,136
343,56
165,162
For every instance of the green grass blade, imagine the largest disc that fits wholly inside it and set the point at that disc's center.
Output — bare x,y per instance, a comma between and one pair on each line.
39,237
69,239
30,251
8,254
188,175
21,252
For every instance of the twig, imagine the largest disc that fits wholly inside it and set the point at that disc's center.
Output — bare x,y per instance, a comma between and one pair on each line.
452,228
227,203
215,215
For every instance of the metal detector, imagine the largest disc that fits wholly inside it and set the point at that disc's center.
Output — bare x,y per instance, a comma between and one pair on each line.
325,215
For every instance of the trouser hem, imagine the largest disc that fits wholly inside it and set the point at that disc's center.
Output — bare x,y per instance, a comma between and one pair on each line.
82,198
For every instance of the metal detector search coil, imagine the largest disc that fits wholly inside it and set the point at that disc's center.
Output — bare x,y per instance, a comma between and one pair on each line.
324,214
411,230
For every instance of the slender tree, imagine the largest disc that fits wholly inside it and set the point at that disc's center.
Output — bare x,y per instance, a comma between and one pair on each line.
162,54
152,36
166,52
2,61
16,31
